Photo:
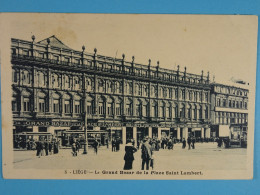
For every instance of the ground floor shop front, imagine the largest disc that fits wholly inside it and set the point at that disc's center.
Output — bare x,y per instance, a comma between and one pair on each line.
105,132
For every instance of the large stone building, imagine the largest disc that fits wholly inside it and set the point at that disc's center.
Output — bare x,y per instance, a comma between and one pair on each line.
229,109
54,86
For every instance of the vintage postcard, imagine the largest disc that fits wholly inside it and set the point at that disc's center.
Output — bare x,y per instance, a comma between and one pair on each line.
128,96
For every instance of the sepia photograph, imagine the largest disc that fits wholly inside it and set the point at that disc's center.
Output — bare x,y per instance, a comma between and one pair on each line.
128,96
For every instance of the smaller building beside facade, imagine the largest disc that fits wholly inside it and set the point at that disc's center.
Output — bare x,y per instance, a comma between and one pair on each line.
229,110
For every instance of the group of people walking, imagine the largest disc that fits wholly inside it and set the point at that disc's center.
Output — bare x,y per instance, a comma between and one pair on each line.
45,148
191,143
116,145
146,154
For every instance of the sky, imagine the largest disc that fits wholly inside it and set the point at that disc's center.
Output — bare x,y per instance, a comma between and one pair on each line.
223,45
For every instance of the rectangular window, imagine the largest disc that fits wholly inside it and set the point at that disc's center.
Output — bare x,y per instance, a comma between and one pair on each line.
100,109
109,109
15,76
224,103
118,109
41,105
56,107
89,108
128,109
144,110
14,105
67,106
77,107
26,105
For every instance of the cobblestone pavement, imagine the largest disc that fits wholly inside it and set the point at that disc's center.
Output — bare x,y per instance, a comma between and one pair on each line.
205,156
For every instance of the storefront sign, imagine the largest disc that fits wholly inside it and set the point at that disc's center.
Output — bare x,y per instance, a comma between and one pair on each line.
98,124
47,123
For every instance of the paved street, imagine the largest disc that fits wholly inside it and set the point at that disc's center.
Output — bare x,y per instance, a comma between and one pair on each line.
206,156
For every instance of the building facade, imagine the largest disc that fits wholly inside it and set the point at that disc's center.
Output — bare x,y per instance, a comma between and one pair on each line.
56,89
229,109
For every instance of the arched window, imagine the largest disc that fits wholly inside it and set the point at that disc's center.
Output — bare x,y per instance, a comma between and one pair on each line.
90,105
67,104
77,104
110,110
190,95
145,109
153,91
168,111
182,111
206,112
89,84
176,111
77,83
118,87
26,77
55,81
15,100
154,109
139,89
67,82
176,93
118,107
200,112
100,85
101,106
56,103
42,79
145,90
129,89
129,107
15,75
183,95
195,112
109,86
138,108
162,110
189,111
41,102
170,93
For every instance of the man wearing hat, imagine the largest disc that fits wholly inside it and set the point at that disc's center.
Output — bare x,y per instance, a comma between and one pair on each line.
146,153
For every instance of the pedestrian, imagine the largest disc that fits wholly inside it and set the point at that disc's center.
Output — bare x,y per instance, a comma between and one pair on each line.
183,143
146,153
77,145
38,149
107,143
193,142
50,147
95,146
117,145
56,148
189,142
46,146
74,149
113,145
129,155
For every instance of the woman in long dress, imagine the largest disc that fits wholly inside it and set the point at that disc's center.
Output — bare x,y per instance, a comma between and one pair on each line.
129,155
